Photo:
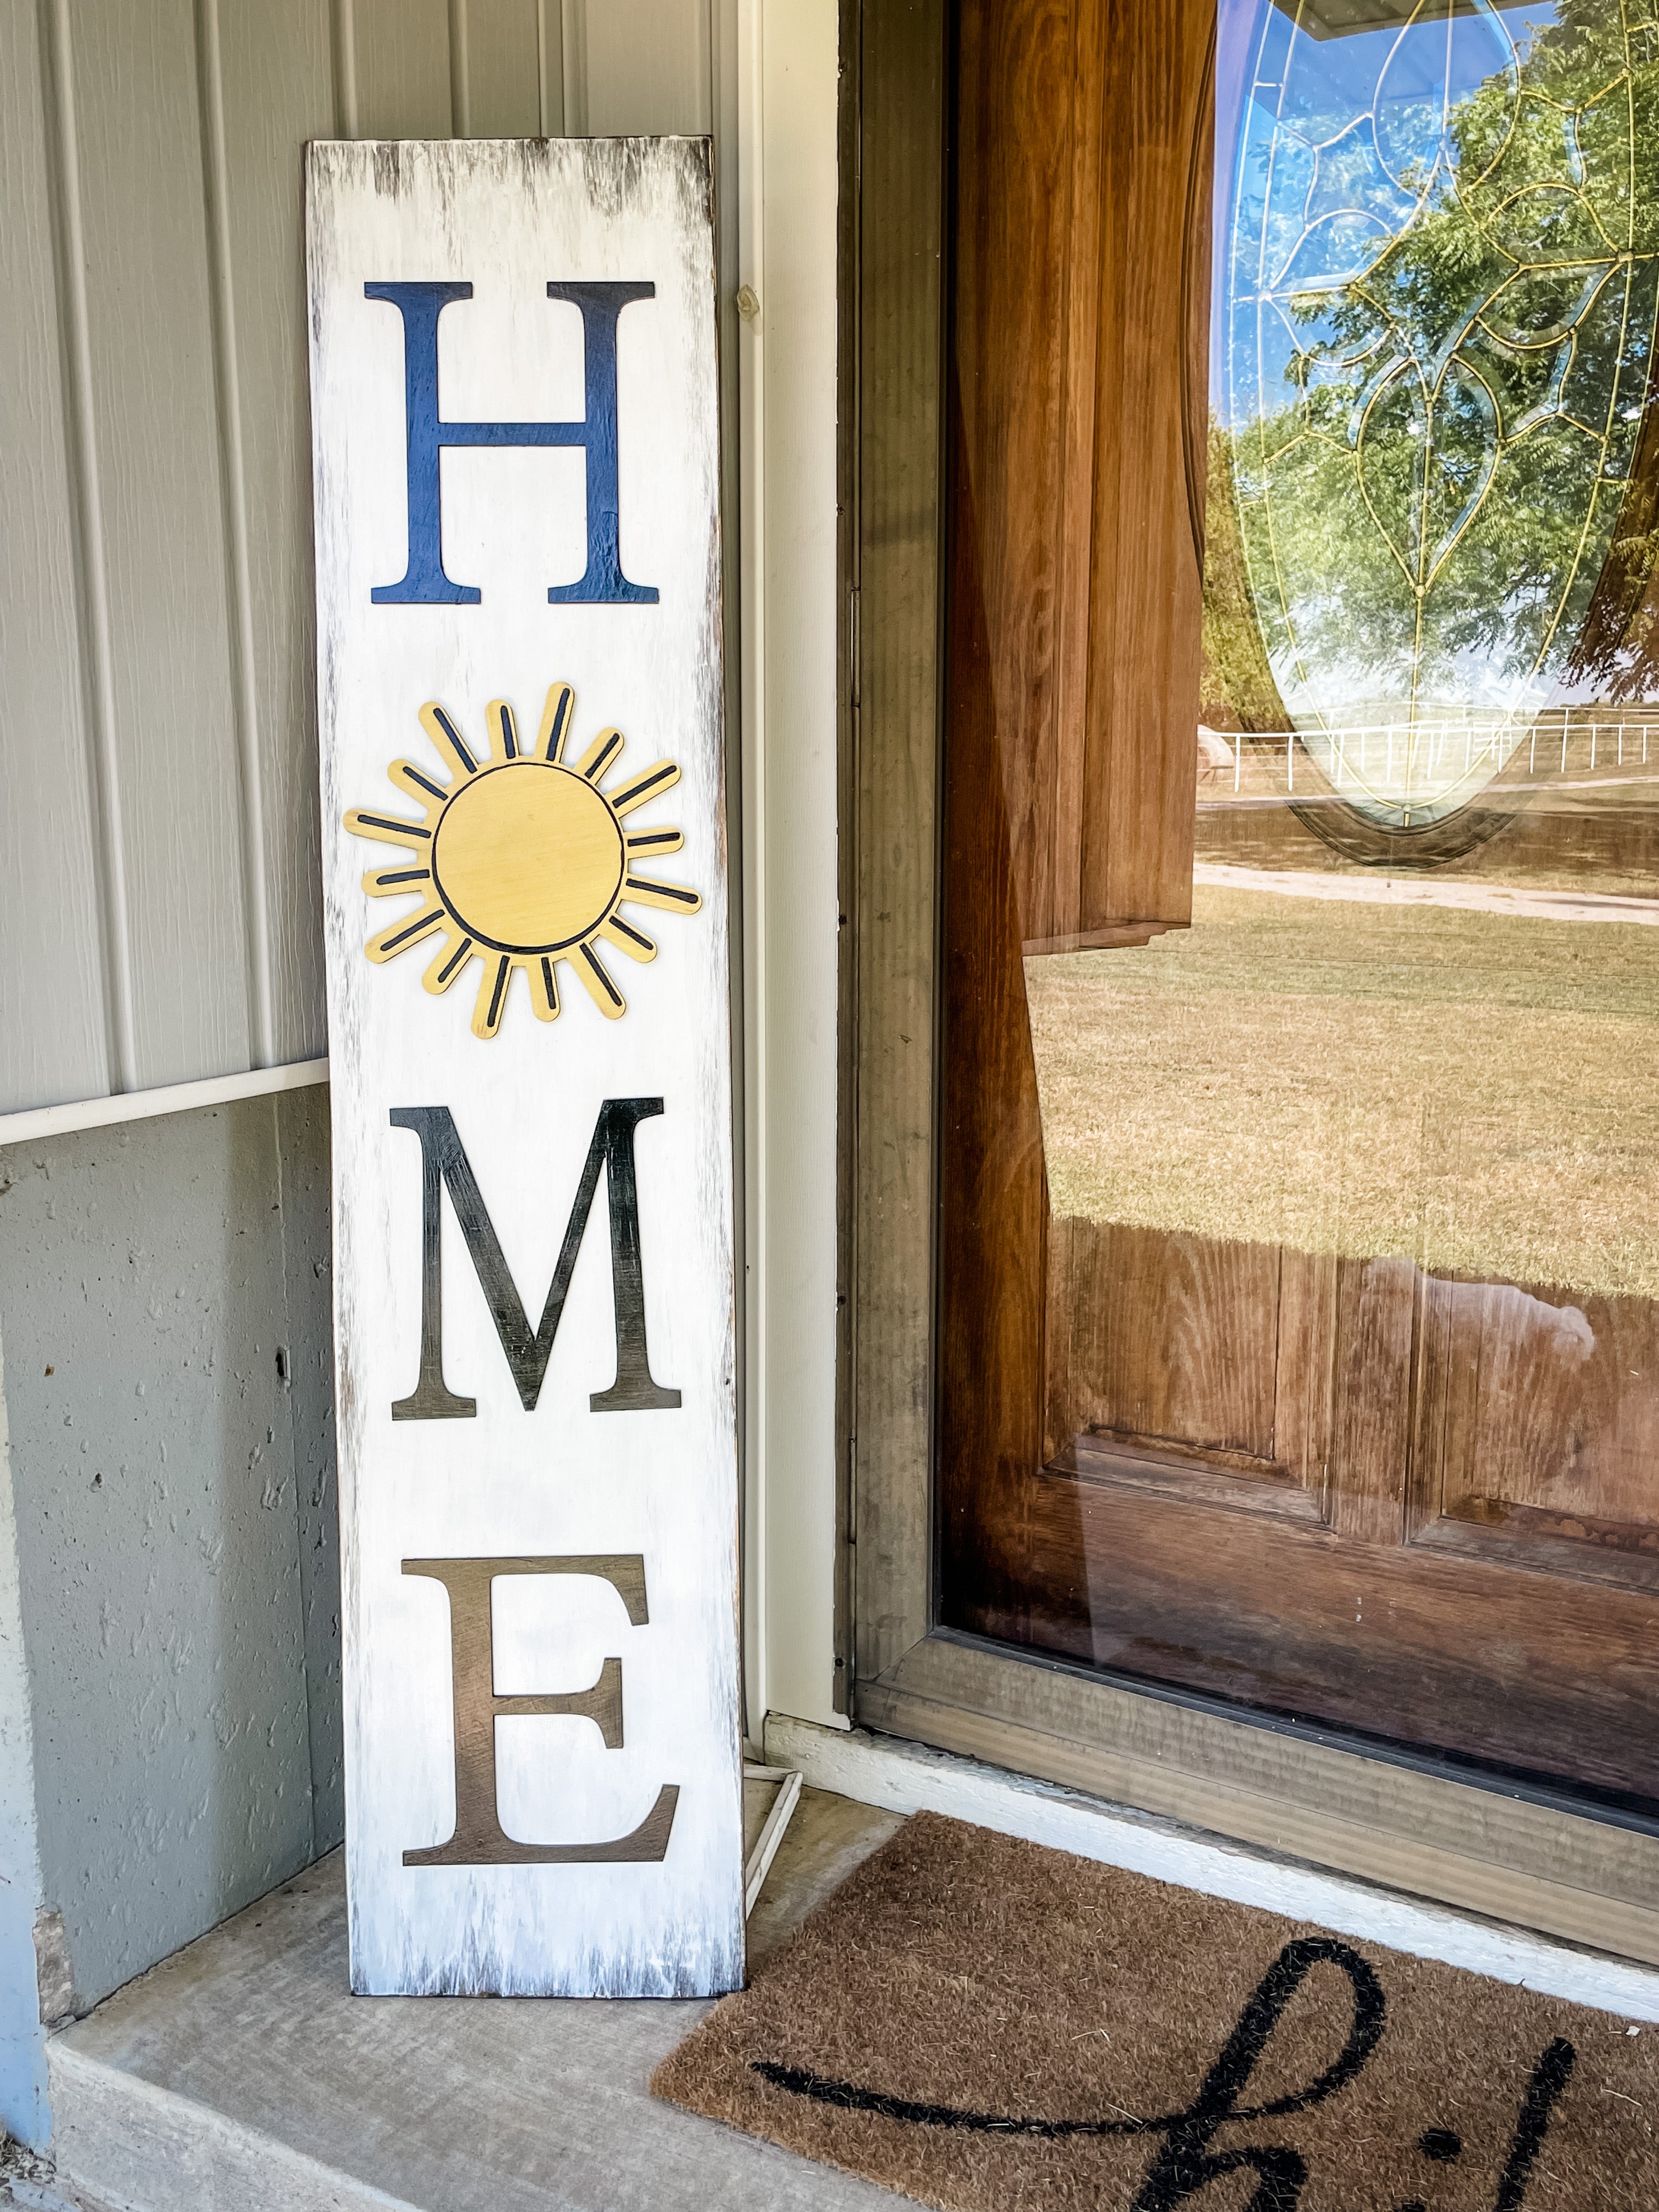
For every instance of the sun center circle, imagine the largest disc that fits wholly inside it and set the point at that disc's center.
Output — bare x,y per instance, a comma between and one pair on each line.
527,857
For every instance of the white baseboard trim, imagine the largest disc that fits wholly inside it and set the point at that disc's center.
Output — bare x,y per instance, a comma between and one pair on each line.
904,1778
28,1128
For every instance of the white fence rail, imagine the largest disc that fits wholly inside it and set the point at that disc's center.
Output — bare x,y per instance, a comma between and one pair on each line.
1401,761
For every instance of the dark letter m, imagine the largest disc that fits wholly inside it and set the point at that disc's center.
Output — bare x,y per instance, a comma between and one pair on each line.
443,1160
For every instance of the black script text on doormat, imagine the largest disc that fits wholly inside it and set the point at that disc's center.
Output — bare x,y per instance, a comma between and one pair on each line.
983,2023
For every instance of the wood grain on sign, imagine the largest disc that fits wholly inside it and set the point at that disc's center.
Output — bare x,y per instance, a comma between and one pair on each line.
516,445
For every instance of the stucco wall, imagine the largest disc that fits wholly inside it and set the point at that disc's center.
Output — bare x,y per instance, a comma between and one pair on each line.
169,1396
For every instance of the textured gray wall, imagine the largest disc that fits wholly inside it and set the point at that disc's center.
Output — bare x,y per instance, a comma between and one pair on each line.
164,1312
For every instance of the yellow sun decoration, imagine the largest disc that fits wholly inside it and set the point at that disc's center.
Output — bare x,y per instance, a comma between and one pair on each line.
521,860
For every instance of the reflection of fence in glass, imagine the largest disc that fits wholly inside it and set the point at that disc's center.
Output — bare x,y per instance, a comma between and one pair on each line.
1454,757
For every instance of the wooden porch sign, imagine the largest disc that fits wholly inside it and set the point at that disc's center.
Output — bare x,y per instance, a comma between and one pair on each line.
516,450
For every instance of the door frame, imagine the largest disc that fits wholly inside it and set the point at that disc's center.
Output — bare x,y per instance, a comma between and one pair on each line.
1409,1822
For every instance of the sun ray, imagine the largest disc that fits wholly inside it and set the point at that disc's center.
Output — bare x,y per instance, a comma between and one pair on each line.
448,739
603,991
634,942
655,840
544,988
458,951
556,723
662,777
387,829
500,721
492,995
421,784
386,883
605,749
674,897
409,929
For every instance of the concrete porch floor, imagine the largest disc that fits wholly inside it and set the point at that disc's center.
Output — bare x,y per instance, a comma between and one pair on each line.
241,2075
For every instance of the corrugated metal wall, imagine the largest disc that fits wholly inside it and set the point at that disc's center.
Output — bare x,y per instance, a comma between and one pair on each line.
159,905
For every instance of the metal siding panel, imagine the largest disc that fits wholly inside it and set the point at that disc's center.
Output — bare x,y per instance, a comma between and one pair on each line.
53,1046
278,91
160,488
503,73
402,50
156,426
646,66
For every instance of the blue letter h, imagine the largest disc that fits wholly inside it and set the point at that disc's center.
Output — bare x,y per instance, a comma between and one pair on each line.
425,582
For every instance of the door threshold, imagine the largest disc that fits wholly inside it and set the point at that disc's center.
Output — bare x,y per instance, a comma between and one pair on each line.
908,1777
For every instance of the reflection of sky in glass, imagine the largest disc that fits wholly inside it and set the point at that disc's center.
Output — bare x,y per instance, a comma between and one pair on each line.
1336,84
1429,344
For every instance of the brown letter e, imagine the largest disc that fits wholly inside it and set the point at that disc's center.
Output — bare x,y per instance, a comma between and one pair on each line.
479,1839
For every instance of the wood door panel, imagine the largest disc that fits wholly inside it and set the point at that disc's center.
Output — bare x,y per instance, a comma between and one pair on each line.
1538,1432
1238,1353
1582,1545
993,1209
1540,1408
1190,1476
1302,1371
1154,1337
1080,312
1070,761
1515,1668
1376,1314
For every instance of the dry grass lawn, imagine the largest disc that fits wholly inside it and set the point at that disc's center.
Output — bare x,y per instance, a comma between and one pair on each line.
1478,1091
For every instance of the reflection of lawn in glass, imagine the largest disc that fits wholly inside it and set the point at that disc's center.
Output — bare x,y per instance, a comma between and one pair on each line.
1475,1091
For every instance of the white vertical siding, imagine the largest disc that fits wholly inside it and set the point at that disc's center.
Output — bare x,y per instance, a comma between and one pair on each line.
54,1037
160,920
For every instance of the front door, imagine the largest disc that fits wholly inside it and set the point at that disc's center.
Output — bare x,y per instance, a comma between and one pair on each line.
1299,1128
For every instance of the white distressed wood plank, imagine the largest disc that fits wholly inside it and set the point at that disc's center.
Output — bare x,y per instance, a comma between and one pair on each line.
278,91
51,957
656,1483
162,527
402,60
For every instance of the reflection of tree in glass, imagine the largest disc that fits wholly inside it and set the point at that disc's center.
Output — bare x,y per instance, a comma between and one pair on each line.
1237,691
1454,504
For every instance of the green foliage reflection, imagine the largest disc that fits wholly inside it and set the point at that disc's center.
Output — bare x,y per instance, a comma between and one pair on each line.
1444,271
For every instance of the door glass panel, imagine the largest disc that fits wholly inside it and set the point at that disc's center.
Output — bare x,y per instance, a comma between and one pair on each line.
1348,1408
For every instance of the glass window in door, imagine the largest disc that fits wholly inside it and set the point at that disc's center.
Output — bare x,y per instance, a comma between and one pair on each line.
1299,1305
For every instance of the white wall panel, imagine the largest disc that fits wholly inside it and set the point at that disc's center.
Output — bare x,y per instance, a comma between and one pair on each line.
53,1042
500,57
276,90
155,428
159,917
403,73
646,65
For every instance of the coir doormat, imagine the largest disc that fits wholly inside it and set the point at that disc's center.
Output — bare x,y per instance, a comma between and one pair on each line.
988,2026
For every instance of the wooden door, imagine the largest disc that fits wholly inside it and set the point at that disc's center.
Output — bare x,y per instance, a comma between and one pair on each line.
1299,1275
